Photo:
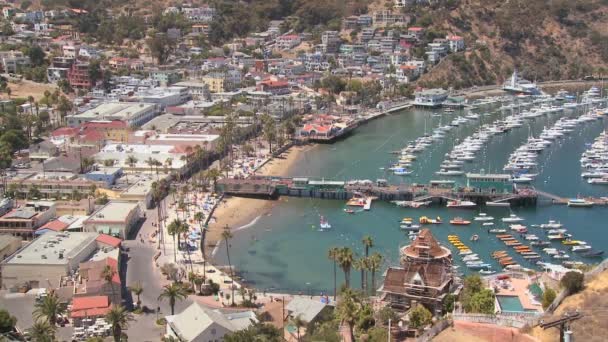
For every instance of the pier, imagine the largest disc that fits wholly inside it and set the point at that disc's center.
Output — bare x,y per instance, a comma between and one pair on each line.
273,187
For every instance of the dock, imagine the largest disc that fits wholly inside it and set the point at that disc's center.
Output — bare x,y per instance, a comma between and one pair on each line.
273,187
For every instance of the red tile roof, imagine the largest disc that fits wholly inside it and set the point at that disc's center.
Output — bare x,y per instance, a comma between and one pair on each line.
55,225
109,240
95,312
415,29
85,303
63,131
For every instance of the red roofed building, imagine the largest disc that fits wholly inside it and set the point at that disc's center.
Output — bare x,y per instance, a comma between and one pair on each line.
415,31
93,282
276,87
89,307
78,76
114,130
108,240
54,225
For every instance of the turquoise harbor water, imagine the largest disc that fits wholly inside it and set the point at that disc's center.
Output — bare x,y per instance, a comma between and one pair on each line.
283,252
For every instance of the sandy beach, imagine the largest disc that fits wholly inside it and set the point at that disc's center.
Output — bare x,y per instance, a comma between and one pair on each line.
236,212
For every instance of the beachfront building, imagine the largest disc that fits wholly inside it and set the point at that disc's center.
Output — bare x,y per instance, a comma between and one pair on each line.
425,275
116,218
494,183
430,97
199,324
133,114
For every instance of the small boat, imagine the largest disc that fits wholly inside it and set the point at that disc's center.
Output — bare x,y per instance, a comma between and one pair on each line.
487,224
402,172
459,221
483,217
426,220
581,248
540,243
475,237
410,226
498,231
465,252
561,255
512,219
569,242
349,211
579,203
477,266
521,179
518,228
461,204
324,224
487,272
551,224
498,204
592,254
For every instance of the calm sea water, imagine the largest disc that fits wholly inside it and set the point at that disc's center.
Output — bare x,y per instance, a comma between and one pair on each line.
284,252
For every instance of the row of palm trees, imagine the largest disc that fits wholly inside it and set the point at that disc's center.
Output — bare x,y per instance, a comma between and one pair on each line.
344,258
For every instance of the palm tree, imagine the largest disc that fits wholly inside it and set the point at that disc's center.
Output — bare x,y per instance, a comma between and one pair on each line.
108,274
299,323
131,161
118,317
199,217
361,264
213,174
332,254
174,229
349,308
137,290
345,260
49,309
368,243
375,262
151,162
227,235
42,331
173,292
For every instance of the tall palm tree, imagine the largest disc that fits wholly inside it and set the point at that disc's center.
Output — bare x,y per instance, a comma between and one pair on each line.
108,274
333,254
173,293
118,317
361,264
345,260
299,323
375,262
174,229
42,331
368,243
199,217
137,290
227,235
151,162
50,308
131,161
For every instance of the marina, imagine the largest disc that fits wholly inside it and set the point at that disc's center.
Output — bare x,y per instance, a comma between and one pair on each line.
360,164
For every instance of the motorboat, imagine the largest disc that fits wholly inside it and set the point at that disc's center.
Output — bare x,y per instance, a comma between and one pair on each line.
519,228
459,221
470,257
551,224
521,179
540,243
444,172
402,172
531,237
483,217
461,204
498,231
324,224
426,220
487,272
581,248
349,211
512,219
475,237
487,224
498,204
579,203
592,254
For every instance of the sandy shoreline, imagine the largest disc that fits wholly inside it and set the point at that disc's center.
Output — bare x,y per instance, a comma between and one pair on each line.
236,212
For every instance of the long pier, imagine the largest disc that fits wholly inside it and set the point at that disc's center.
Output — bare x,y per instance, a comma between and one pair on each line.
273,187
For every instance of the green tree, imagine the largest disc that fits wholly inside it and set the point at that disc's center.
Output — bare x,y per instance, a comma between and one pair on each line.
50,308
361,264
36,55
269,129
42,331
374,264
482,302
385,314
118,318
345,260
256,332
349,308
333,255
173,293
95,71
137,290
175,229
548,297
226,236
7,322
573,282
420,317
299,323
160,47
377,334
368,243
472,285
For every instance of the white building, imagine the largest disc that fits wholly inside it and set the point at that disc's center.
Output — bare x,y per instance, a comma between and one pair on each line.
116,218
132,113
199,324
47,259
456,43
430,97
12,60
287,42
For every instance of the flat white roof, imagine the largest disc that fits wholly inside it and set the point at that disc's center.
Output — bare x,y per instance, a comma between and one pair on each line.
115,211
116,110
48,248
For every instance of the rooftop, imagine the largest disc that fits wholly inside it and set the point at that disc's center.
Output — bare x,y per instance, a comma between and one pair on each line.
115,111
53,248
425,246
114,211
306,308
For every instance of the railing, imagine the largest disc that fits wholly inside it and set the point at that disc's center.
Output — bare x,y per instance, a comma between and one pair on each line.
516,320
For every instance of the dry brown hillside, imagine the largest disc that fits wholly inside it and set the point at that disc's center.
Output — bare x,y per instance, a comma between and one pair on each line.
546,40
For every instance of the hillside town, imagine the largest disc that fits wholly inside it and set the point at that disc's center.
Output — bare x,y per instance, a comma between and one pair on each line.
136,146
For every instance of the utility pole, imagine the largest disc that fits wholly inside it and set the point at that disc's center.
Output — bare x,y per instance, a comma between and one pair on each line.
563,324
